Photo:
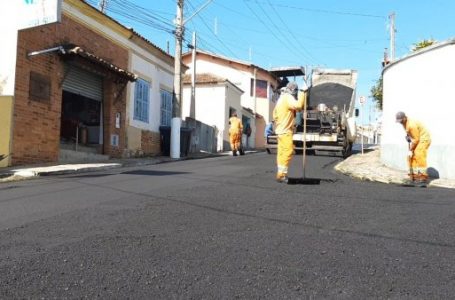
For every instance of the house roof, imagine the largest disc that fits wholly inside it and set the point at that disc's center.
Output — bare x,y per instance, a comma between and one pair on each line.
72,50
225,58
208,78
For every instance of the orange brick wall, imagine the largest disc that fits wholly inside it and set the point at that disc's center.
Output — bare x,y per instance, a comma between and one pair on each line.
36,125
150,142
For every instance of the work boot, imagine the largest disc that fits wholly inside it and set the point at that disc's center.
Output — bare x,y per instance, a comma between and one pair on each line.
234,153
421,179
281,177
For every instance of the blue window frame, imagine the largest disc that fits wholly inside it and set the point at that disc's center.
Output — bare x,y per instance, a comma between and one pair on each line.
141,100
166,108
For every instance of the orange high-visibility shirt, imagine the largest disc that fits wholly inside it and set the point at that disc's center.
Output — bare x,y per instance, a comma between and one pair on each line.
417,132
284,112
235,125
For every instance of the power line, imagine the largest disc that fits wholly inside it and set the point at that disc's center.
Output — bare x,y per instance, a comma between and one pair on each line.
322,10
136,13
288,31
285,44
208,27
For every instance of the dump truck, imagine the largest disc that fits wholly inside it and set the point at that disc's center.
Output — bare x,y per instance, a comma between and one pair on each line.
330,115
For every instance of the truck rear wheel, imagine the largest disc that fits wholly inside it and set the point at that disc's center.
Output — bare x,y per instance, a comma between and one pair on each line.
347,151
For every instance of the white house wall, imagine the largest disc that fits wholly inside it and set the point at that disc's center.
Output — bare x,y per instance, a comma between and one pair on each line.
158,79
423,86
241,79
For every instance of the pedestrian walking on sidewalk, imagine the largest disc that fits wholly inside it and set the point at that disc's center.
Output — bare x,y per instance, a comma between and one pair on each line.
235,133
419,140
288,104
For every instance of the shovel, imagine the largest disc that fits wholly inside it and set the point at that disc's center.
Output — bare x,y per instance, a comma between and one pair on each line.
411,170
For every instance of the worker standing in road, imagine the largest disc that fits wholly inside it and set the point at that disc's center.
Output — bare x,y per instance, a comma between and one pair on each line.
288,104
419,141
235,133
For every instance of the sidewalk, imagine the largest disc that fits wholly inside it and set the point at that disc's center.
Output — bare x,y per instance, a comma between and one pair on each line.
27,172
368,166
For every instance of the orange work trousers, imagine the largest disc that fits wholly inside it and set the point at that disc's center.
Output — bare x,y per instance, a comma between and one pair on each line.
235,139
284,153
419,159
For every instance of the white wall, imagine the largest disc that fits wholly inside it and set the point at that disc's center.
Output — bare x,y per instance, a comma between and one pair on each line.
158,78
423,86
212,107
9,11
241,79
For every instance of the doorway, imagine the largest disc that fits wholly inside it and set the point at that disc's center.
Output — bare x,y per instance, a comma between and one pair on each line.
81,123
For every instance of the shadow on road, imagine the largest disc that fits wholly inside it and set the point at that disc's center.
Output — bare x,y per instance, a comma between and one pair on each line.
153,173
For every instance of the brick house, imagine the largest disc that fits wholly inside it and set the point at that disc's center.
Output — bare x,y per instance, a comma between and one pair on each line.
73,94
72,91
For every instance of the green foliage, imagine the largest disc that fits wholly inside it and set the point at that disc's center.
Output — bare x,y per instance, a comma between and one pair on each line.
422,44
376,93
376,90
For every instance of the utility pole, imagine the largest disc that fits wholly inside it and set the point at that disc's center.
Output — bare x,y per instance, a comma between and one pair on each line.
392,36
103,5
176,114
176,101
193,80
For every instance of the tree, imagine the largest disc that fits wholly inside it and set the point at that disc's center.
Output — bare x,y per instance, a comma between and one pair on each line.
376,93
422,44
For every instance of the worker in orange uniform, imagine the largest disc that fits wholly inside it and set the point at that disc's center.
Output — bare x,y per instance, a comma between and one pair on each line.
288,104
235,133
419,141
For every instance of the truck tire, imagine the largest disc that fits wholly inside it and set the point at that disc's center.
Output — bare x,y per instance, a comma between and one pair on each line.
347,151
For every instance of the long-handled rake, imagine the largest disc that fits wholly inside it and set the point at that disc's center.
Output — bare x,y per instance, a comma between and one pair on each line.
304,179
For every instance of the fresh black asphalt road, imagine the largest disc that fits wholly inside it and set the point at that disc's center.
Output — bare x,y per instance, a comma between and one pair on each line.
222,228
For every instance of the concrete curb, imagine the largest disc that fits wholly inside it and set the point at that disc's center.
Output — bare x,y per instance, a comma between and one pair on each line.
33,172
368,167
28,173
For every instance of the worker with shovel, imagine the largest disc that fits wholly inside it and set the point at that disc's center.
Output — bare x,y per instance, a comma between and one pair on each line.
419,141
288,104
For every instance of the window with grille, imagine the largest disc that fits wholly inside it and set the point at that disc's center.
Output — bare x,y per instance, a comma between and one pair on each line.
166,108
141,100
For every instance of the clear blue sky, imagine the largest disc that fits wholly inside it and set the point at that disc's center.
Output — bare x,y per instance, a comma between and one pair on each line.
270,33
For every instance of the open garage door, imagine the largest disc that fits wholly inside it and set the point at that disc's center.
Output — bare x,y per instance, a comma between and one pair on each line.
81,119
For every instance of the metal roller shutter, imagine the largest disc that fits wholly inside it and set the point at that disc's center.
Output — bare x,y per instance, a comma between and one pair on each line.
84,83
